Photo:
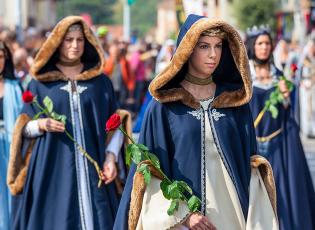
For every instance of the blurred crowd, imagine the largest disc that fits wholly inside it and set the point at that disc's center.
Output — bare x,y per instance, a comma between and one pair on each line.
131,67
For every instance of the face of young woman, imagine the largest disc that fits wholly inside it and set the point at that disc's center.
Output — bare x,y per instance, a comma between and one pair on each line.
2,61
72,46
205,57
262,47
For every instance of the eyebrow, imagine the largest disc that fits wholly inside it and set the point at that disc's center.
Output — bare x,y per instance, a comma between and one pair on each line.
209,43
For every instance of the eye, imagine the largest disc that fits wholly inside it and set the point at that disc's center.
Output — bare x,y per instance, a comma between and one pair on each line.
68,39
80,39
219,46
204,46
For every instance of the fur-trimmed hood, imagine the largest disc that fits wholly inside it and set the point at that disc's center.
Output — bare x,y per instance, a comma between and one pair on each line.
232,75
44,67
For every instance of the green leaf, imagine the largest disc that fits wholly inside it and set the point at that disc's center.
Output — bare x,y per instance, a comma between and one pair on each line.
185,186
194,204
147,176
63,119
136,154
173,207
267,104
175,190
155,161
128,154
144,169
38,115
143,147
164,187
274,111
273,98
48,104
280,98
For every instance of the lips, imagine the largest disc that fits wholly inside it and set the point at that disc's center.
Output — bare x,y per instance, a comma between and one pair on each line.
210,65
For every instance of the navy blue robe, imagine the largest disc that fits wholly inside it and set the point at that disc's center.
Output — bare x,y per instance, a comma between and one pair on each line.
50,196
295,192
174,136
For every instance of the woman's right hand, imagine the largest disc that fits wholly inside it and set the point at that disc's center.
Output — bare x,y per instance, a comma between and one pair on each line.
50,125
196,221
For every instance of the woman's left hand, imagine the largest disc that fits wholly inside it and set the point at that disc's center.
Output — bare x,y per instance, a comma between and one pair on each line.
109,168
284,89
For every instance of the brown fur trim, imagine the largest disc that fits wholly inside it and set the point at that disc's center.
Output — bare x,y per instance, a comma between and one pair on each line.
267,175
53,42
183,52
137,193
126,122
17,168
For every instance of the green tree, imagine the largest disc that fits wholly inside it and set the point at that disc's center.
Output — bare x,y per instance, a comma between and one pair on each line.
255,12
143,15
101,11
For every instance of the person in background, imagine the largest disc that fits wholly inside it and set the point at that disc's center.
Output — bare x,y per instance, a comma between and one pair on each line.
278,137
10,107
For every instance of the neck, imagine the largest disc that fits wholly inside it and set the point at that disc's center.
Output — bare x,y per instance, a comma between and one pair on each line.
199,92
69,63
198,81
71,71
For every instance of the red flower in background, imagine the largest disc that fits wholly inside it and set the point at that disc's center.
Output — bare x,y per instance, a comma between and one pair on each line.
293,67
27,97
113,122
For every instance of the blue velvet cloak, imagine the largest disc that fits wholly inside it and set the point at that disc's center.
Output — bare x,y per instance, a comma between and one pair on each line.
172,128
295,192
50,196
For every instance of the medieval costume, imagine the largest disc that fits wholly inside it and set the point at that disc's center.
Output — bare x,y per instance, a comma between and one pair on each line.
209,144
279,141
10,107
55,187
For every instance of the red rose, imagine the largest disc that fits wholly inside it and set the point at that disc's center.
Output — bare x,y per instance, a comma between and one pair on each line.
27,96
113,122
293,67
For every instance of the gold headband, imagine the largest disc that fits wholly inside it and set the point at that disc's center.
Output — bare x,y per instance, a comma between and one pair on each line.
216,32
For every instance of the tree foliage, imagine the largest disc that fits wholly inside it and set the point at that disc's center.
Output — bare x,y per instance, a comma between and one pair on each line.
255,12
143,14
101,11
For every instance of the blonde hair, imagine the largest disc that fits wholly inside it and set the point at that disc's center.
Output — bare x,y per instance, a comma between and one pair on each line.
215,32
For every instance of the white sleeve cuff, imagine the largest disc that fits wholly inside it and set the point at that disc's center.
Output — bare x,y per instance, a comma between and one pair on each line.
31,129
115,143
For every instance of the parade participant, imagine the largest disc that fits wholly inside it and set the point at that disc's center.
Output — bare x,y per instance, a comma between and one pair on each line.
200,127
306,82
55,187
10,107
278,138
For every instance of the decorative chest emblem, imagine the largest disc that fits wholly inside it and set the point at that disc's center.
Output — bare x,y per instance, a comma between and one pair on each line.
67,88
216,115
196,113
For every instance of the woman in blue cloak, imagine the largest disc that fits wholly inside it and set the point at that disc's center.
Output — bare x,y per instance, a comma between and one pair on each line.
54,185
278,138
200,127
10,107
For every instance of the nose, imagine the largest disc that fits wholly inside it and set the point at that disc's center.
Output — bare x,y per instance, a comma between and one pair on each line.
74,43
212,53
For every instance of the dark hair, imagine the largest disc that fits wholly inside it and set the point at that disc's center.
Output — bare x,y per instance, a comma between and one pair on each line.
250,46
8,70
